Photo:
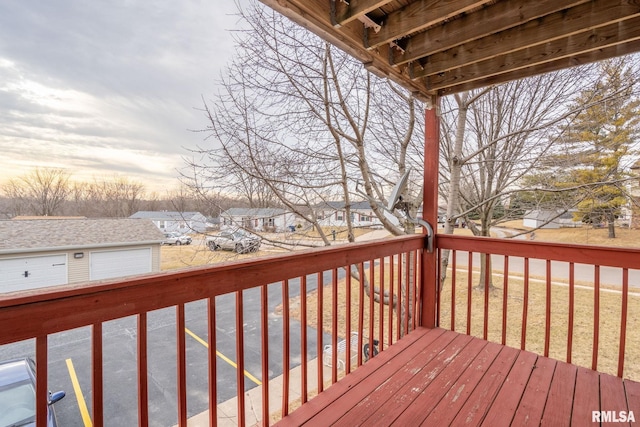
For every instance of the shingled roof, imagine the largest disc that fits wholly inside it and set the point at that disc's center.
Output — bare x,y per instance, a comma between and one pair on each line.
48,234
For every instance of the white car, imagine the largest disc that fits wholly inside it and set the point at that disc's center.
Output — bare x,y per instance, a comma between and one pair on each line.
237,241
175,238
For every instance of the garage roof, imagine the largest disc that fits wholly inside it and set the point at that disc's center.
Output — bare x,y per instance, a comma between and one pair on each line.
48,234
438,47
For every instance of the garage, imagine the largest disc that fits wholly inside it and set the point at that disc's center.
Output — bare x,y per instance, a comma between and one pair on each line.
110,264
33,272
43,252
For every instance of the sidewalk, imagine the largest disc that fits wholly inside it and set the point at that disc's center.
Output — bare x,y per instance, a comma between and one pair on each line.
253,399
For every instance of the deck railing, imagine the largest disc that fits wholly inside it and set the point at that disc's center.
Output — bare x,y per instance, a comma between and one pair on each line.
574,303
570,302
391,266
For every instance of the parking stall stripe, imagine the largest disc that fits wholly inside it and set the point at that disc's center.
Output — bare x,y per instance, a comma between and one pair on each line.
223,357
84,412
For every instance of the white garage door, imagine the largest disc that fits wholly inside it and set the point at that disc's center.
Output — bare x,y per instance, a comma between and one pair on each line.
110,264
17,274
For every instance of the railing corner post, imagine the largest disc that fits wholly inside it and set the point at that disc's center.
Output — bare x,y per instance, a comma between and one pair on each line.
429,276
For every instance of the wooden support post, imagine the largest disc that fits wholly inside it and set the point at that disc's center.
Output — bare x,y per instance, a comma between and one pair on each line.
429,275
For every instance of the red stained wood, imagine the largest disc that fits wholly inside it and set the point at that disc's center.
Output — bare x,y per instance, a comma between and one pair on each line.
531,405
334,394
414,364
452,402
475,408
28,314
612,396
443,371
632,390
143,386
586,398
503,407
557,411
435,377
96,375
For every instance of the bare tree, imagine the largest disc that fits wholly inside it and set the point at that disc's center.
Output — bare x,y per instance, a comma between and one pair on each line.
494,137
303,119
41,192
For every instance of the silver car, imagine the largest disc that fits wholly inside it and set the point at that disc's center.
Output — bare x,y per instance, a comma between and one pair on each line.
234,241
175,238
17,394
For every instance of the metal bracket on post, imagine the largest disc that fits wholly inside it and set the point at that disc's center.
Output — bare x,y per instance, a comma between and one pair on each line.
396,201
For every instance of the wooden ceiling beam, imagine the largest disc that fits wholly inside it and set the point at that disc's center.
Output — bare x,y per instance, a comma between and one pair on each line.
580,45
586,58
314,15
416,17
549,28
492,19
350,10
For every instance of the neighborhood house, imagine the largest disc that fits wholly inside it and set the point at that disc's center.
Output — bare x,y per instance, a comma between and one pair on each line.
334,214
182,222
258,219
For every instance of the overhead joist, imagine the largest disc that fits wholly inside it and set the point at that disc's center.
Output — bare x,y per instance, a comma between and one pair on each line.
345,11
314,15
483,23
550,28
417,16
601,43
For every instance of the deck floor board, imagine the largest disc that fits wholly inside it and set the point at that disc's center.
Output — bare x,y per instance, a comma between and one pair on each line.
438,377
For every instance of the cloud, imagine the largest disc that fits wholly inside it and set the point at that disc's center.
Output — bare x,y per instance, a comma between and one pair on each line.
108,87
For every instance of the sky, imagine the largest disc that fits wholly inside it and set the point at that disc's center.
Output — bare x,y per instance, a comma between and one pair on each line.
108,88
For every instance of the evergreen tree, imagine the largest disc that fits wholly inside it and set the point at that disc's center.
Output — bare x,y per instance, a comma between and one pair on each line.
600,138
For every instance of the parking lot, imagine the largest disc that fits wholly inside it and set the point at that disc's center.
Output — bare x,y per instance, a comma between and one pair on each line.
70,359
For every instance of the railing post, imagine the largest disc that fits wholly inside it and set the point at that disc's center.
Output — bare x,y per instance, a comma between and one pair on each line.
429,276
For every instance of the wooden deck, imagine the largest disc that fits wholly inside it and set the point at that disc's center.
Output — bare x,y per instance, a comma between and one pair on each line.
437,377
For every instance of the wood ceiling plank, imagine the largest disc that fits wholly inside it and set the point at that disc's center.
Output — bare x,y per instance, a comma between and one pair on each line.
613,40
553,27
346,13
492,19
417,16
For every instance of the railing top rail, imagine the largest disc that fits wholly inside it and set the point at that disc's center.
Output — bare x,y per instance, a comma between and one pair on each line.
27,314
583,254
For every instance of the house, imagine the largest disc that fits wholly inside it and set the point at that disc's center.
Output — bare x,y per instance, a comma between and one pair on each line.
541,218
258,219
333,214
182,222
38,253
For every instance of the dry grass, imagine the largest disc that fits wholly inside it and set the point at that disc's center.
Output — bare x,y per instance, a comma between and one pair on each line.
196,254
625,237
341,233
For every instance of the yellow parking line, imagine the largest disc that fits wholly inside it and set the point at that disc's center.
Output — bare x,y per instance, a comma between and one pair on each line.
223,357
84,412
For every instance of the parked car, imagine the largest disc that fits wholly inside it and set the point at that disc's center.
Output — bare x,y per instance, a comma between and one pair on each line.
18,394
234,241
175,238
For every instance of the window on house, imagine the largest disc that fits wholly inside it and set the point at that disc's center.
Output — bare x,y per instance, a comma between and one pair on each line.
339,216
